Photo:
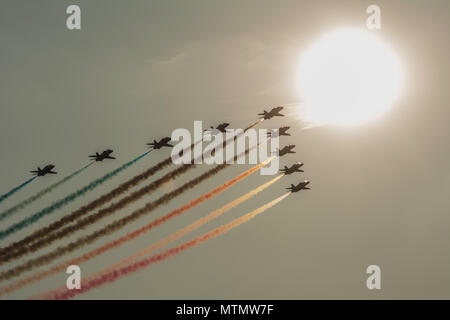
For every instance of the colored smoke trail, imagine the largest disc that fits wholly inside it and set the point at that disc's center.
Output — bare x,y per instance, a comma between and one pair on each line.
115,274
254,124
41,193
45,232
71,197
130,236
14,190
120,205
91,219
115,225
178,234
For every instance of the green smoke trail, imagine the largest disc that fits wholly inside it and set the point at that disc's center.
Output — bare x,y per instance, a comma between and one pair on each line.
40,194
12,191
117,224
71,197
44,232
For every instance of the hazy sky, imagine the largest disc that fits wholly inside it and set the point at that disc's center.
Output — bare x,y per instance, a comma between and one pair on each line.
139,69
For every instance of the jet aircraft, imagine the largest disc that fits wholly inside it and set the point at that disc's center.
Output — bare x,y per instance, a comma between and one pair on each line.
42,172
161,143
294,168
281,132
102,156
275,112
285,150
300,186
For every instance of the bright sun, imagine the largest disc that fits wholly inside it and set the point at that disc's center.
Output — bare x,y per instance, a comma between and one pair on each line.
348,77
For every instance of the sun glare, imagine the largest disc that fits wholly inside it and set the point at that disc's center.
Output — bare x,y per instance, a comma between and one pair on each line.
348,77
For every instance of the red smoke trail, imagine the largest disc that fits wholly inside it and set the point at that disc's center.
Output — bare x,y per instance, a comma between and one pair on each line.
193,226
112,276
134,234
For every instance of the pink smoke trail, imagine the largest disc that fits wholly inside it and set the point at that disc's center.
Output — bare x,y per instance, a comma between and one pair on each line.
112,276
134,234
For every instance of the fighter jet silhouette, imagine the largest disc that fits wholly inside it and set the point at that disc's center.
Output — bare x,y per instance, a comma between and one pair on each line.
159,144
285,150
102,156
275,112
220,128
300,186
294,168
282,131
42,172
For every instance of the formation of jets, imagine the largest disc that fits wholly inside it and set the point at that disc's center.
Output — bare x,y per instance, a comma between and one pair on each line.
275,112
161,143
164,142
42,172
48,169
102,156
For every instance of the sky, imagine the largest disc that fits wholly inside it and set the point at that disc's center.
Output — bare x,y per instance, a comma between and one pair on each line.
139,69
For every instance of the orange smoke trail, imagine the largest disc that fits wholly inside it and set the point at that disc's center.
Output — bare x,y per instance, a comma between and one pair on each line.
113,275
178,234
134,234
195,225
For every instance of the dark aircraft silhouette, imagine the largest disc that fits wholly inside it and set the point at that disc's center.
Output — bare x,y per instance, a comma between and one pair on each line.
294,168
161,143
275,112
220,128
300,186
42,172
285,150
281,132
102,156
